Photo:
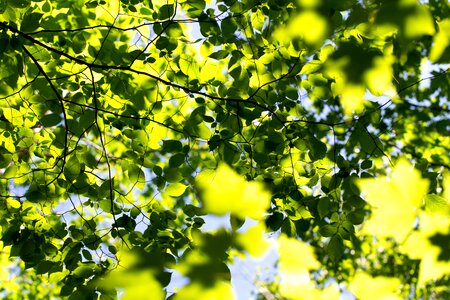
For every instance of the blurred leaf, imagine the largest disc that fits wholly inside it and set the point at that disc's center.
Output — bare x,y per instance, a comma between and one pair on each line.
253,240
437,204
395,201
242,198
371,288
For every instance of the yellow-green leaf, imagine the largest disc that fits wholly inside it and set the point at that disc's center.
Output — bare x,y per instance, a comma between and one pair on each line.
309,26
196,291
296,260
175,189
441,40
366,287
224,191
423,244
13,203
395,201
437,204
296,255
137,284
419,23
254,241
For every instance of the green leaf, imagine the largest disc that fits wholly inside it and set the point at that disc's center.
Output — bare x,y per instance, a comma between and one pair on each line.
356,201
335,248
172,174
31,22
19,3
274,221
72,168
166,11
366,164
105,205
112,249
400,194
91,4
175,189
44,267
328,230
134,212
253,240
10,172
343,4
135,174
50,120
172,146
79,43
288,227
323,207
346,230
84,271
228,27
221,54
356,217
49,248
86,254
230,152
311,67
177,160
317,149
66,290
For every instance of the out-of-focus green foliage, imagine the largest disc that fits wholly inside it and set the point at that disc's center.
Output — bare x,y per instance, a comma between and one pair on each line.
124,125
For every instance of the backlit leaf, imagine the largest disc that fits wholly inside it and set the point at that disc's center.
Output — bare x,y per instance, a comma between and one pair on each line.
175,189
441,40
296,260
372,288
242,198
395,201
195,291
253,240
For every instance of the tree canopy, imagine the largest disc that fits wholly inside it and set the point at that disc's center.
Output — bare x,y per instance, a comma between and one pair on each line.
320,127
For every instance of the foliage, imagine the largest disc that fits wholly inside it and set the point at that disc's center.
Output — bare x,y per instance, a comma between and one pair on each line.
126,124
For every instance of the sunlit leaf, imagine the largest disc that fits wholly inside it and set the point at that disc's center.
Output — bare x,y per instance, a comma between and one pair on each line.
437,204
395,201
379,77
242,198
419,23
13,203
175,189
253,240
352,97
430,244
441,40
289,113
136,284
308,26
412,19
372,288
296,260
195,291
